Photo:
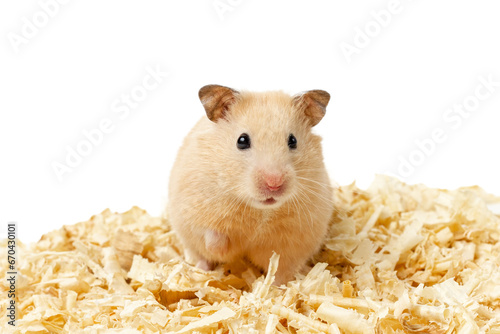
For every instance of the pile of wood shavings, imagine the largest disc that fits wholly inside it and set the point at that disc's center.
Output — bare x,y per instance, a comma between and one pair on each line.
398,259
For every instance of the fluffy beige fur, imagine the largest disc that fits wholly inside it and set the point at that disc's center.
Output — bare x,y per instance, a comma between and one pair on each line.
215,198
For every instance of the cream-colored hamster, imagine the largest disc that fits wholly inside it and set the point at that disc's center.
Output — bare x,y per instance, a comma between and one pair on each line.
249,179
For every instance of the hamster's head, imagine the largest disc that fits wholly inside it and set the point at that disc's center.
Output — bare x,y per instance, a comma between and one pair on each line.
264,151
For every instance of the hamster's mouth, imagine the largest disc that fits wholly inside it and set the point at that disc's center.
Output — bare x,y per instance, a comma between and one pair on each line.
269,201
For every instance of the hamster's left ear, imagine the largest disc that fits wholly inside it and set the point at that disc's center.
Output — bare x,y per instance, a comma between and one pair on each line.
313,103
216,100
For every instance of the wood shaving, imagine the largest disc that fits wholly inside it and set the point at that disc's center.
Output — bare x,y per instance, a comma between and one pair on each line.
398,259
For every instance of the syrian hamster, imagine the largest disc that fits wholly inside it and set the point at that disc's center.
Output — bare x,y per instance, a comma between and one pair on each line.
249,180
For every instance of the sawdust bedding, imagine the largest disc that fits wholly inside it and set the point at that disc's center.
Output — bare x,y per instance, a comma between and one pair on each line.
397,259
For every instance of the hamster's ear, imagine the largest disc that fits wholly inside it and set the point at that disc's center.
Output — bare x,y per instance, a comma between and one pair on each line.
216,100
313,103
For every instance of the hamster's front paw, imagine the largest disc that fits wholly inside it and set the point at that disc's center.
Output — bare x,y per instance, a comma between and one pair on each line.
205,265
216,243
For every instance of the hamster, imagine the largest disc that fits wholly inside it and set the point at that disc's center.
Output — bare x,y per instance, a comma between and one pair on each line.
249,180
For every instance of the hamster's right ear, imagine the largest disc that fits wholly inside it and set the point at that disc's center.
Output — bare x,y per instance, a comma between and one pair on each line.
216,100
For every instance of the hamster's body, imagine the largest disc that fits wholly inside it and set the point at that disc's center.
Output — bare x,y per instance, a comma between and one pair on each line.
231,197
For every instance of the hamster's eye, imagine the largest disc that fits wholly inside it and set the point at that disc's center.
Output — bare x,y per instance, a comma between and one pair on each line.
292,142
243,142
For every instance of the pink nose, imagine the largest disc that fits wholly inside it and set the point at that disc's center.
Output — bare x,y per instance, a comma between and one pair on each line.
273,181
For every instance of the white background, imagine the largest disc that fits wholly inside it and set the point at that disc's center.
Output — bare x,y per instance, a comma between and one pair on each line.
65,77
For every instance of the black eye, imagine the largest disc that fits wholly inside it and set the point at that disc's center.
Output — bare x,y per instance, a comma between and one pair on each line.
243,142
292,142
